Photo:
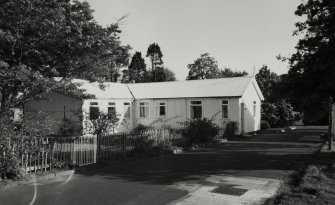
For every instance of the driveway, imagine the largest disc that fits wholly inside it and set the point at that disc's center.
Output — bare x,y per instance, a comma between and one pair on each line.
243,165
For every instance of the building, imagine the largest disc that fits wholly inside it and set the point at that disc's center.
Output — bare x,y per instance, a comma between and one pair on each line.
162,103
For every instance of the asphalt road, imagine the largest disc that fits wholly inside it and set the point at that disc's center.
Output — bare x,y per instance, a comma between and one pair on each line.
148,181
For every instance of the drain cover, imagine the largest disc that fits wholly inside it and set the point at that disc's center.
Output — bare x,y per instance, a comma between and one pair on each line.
229,190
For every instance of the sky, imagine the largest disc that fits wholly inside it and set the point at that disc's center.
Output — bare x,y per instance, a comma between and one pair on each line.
239,34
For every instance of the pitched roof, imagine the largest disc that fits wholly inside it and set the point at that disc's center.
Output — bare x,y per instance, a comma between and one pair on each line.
222,87
109,90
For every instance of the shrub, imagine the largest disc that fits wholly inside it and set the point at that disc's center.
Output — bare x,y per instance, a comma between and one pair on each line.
265,125
142,144
69,128
140,129
230,130
200,131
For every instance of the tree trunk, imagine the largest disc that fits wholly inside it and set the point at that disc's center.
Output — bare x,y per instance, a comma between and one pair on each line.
330,136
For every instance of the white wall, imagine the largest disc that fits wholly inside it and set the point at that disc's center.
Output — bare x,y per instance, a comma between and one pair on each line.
56,106
178,110
124,125
251,123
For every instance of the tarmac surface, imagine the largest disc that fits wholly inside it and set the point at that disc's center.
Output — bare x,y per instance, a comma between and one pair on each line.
247,171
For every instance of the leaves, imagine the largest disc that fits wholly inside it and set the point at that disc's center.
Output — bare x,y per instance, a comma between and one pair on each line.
206,67
40,40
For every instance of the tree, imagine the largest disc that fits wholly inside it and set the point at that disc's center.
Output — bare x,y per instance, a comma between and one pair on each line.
312,67
276,107
204,67
228,73
160,75
136,70
267,82
41,40
155,54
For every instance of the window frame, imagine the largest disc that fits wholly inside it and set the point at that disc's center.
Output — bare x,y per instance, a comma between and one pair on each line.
93,104
158,106
222,110
125,110
196,105
144,107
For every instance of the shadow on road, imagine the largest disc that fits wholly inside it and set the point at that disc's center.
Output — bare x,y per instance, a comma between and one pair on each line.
268,155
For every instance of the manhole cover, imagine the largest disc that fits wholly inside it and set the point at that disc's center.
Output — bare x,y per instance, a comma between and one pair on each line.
229,190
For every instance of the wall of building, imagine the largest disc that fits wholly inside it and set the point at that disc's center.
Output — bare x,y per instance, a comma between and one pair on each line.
57,107
124,125
178,111
251,123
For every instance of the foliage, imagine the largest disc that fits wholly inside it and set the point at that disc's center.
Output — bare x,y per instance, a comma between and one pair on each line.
160,75
206,67
104,124
140,129
278,114
230,130
200,131
265,125
33,125
315,111
312,70
136,70
142,144
267,82
45,39
155,54
228,73
69,128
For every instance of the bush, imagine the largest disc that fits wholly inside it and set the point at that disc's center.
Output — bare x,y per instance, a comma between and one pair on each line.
265,125
142,145
200,131
140,129
230,130
69,128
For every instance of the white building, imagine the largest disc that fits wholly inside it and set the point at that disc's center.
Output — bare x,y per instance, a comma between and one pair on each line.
163,103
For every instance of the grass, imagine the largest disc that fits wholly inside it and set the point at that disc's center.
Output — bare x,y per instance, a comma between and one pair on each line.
312,182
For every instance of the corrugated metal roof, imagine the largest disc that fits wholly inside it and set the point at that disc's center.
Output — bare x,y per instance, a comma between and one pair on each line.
223,87
110,90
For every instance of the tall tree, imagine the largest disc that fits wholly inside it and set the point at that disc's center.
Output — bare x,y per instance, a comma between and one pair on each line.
312,67
136,70
155,54
204,67
41,39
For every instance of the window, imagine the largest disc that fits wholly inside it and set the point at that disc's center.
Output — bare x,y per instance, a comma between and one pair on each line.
111,110
225,104
126,111
161,109
144,109
254,108
196,109
94,111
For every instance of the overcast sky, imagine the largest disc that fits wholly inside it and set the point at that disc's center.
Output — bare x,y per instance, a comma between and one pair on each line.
239,34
